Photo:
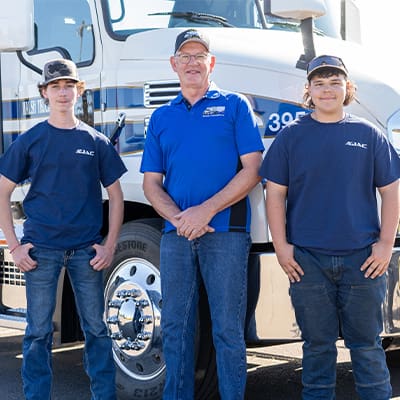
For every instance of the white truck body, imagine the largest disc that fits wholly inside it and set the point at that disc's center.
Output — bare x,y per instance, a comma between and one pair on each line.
125,64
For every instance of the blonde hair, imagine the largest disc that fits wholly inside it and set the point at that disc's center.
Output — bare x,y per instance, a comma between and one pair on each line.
351,88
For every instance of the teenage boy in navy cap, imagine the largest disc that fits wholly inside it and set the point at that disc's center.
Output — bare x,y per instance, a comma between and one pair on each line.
201,158
66,162
322,173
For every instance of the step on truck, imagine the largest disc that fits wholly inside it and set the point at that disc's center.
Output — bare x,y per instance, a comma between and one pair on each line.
122,50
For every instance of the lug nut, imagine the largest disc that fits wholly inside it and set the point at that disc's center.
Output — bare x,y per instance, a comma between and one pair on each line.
132,345
142,303
112,320
124,293
146,319
144,335
116,336
115,303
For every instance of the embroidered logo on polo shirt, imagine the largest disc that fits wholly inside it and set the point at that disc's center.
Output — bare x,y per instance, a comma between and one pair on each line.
357,144
85,152
217,111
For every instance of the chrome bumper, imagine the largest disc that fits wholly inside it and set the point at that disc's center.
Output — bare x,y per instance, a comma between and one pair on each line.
391,305
270,314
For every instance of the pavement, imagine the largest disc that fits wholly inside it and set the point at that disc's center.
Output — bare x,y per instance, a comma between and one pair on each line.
8,332
262,362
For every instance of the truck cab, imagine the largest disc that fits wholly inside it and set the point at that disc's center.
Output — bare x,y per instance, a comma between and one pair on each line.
122,50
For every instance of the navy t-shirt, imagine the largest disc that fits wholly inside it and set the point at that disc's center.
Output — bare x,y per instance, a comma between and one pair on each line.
332,171
65,168
198,150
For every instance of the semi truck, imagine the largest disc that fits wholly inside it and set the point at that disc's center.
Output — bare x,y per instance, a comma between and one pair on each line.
122,50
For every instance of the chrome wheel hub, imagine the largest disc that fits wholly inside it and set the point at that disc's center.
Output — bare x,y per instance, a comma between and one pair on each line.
133,315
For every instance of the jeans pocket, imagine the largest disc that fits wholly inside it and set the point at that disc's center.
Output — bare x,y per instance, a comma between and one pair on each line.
90,251
297,253
33,253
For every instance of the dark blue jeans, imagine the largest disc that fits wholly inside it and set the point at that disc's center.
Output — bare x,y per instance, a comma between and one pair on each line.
221,260
41,289
333,294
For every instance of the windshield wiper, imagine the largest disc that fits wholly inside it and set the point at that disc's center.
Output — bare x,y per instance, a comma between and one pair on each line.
195,16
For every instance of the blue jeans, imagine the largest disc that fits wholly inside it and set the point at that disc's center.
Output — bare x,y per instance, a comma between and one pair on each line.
41,289
334,296
220,259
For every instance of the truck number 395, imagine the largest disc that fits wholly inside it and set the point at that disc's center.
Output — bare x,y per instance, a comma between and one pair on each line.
278,121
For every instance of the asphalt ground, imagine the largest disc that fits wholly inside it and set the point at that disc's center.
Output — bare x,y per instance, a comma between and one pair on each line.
274,372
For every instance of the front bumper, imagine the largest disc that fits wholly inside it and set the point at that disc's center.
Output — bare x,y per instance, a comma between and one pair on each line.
391,305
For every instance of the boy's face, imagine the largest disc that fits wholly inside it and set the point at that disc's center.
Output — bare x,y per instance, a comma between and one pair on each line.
61,94
328,92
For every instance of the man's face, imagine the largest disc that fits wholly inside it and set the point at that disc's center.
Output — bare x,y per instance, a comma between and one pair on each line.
61,94
193,64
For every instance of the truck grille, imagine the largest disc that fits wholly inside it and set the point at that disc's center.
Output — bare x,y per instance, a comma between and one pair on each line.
9,273
157,93
11,276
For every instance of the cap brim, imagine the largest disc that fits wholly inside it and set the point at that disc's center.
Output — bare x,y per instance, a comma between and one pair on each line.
69,78
320,67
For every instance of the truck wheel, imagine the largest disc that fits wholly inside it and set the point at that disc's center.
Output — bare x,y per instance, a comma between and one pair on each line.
133,306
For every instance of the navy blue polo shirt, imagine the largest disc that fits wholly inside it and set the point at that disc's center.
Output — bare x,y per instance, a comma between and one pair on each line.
332,171
66,168
198,150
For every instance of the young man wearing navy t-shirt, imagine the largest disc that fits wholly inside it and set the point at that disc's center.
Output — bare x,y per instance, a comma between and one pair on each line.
66,162
201,158
322,174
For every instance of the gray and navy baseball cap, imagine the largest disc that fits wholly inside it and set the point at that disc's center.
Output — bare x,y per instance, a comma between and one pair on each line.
324,62
191,35
59,69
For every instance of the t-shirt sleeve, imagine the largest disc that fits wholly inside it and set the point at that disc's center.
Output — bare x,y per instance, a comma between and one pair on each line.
275,166
248,136
387,162
14,164
111,165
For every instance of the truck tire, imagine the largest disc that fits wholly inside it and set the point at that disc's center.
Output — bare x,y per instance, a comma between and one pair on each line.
133,306
392,351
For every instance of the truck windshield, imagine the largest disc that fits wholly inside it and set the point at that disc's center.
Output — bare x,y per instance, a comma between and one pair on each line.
126,17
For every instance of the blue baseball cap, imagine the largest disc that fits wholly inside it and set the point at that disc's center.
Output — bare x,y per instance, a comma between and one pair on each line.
325,61
191,35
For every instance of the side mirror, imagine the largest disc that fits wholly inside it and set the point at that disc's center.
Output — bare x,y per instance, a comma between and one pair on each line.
17,26
299,9
304,11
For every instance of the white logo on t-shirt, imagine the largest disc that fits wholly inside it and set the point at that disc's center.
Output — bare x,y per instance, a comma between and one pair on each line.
217,111
85,152
357,144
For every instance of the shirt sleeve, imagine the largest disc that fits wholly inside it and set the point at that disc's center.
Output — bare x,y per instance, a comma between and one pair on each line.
111,165
387,162
14,164
275,166
248,137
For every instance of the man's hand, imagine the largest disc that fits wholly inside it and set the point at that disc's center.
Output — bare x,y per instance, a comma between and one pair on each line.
103,258
288,263
22,259
193,222
378,262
